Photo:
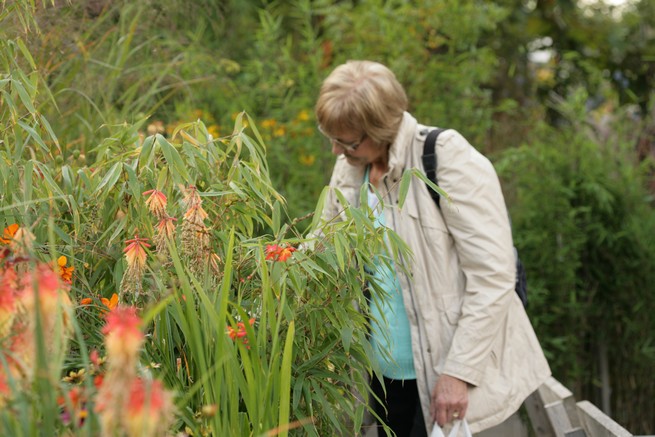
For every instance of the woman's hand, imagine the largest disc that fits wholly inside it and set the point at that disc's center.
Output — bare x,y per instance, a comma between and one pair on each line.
450,400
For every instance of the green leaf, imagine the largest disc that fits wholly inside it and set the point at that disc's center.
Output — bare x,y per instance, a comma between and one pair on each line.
174,160
44,172
26,53
320,205
285,380
35,136
346,337
23,95
419,174
147,151
110,178
340,246
132,181
404,188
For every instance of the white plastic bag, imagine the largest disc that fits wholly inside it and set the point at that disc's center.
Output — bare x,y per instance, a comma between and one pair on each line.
454,431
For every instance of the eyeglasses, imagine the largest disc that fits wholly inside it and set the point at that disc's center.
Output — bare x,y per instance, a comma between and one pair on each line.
351,147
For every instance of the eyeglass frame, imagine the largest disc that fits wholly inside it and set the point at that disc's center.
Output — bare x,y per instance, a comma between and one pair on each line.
349,147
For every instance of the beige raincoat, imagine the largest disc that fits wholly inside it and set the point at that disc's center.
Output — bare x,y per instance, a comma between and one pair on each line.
465,317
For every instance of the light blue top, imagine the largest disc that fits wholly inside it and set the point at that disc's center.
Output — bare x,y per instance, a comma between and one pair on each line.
390,326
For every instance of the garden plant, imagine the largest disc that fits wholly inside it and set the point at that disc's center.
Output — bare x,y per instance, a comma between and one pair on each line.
163,266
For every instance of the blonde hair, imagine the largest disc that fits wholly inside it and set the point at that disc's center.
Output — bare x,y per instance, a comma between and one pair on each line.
363,97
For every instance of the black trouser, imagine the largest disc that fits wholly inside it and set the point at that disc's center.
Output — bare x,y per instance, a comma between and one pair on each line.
403,412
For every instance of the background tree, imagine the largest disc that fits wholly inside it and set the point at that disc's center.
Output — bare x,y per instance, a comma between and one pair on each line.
573,136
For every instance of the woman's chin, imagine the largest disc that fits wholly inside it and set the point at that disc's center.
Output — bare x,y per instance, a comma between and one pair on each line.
357,162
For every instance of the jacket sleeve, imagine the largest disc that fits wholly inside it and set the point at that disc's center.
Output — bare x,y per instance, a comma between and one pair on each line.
478,221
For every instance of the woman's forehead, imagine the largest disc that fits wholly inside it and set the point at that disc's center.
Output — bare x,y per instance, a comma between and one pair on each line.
338,126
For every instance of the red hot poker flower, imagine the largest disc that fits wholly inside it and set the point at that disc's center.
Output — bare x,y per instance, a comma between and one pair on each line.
8,281
149,408
156,203
135,252
123,337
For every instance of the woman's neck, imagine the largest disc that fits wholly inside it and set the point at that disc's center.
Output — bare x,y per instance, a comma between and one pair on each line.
379,167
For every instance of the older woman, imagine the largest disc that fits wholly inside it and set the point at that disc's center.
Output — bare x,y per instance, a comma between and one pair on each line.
452,338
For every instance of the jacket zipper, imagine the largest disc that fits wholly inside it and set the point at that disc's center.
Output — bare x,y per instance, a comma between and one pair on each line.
411,292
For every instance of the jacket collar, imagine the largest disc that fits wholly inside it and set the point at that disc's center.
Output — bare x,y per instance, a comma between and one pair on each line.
401,146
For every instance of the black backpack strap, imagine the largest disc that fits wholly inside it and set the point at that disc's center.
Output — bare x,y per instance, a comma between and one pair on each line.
430,161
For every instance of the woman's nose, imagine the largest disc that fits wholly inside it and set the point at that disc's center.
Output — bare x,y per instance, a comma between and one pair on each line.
336,149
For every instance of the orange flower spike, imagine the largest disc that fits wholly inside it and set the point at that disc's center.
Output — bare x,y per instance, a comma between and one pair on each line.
191,196
149,408
135,252
47,285
195,214
166,227
5,390
66,273
86,301
8,233
156,203
8,280
123,337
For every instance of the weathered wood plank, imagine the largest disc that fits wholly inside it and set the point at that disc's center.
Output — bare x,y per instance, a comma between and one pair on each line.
538,417
577,432
552,391
597,424
558,418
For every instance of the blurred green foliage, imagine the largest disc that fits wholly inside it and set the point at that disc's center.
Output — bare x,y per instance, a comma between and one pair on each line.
83,84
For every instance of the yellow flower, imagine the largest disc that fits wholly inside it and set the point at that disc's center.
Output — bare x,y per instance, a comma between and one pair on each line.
214,131
269,123
280,131
303,115
307,160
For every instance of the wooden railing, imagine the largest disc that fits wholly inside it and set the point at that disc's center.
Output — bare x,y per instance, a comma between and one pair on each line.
555,413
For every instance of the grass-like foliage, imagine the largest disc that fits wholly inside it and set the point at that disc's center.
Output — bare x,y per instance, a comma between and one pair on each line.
251,334
167,294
